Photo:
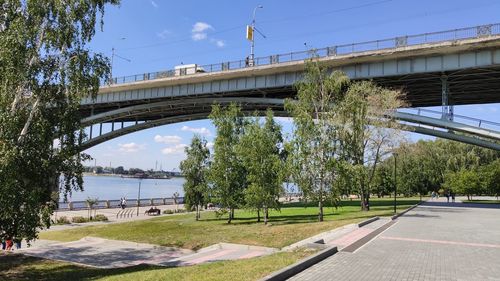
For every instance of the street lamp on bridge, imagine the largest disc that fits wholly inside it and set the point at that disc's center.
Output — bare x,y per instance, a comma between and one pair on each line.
250,36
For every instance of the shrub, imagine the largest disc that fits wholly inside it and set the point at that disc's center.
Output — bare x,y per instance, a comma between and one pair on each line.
100,217
79,219
168,212
180,211
62,220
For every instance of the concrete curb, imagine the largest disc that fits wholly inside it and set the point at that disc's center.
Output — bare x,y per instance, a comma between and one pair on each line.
405,211
368,221
301,265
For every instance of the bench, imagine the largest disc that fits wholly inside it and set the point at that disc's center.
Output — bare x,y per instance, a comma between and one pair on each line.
153,212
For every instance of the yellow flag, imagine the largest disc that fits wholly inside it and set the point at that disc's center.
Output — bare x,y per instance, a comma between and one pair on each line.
249,33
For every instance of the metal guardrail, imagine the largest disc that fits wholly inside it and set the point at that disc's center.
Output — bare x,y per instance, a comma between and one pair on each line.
489,125
107,204
391,43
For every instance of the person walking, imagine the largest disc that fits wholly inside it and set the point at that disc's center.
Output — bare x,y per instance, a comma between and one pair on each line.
17,242
8,244
448,196
453,197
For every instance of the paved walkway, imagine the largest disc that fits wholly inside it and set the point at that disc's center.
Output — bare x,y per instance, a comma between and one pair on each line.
105,253
435,241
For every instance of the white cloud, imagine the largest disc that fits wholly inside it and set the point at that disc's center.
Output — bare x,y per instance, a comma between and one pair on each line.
202,131
201,27
167,139
130,147
199,36
154,4
219,43
199,31
176,149
164,34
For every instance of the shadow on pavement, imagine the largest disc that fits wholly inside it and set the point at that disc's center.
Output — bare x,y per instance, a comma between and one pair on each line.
461,205
20,267
421,216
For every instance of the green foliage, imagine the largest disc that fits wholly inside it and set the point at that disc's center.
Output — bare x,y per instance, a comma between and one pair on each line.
424,166
313,161
79,219
168,212
194,169
259,149
45,70
491,175
465,182
100,217
227,173
340,133
62,220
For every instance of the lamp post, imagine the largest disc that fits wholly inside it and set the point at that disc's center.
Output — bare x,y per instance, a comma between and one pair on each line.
395,181
113,55
252,54
139,197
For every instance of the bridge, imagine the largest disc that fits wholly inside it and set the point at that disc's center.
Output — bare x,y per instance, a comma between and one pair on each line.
448,68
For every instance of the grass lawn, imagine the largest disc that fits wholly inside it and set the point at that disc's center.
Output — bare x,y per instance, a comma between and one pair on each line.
294,223
19,267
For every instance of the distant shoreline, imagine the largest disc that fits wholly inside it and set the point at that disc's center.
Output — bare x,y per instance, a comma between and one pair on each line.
101,175
120,176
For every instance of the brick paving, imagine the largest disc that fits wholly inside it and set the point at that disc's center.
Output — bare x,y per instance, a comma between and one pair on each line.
435,241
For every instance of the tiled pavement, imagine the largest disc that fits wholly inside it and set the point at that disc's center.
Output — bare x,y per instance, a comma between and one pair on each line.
105,253
436,241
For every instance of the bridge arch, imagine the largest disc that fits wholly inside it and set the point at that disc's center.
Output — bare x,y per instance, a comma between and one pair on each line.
169,112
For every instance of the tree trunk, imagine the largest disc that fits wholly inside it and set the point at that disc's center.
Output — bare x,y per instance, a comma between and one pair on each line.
258,215
367,202
362,201
265,215
231,215
197,212
320,206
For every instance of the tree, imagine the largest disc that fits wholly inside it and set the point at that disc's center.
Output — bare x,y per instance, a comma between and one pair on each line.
314,161
491,175
366,132
45,70
91,202
227,174
467,182
260,151
194,169
119,170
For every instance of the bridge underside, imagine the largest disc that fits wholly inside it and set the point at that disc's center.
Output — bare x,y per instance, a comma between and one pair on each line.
467,86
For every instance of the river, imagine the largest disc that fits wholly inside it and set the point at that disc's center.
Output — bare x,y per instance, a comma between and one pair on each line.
110,188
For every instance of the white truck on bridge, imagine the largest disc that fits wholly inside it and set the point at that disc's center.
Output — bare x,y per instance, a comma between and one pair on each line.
186,69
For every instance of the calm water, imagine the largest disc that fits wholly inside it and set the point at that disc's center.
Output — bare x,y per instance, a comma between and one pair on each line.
109,188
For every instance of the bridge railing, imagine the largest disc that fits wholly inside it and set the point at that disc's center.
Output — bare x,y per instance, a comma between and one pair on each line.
107,204
346,49
489,125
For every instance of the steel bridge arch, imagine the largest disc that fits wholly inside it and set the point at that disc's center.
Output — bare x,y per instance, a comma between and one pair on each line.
198,109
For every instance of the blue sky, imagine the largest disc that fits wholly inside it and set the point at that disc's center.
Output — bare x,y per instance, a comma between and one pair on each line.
158,35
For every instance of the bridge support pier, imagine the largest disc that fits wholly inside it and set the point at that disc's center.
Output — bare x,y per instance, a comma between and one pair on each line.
447,109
